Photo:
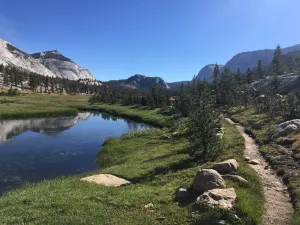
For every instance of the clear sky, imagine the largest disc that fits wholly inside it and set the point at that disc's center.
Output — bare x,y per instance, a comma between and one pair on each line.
172,39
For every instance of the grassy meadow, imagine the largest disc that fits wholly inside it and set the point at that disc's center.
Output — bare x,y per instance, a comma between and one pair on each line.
155,167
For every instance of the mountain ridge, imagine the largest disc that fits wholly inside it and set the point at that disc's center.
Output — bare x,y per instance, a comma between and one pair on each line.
48,63
245,60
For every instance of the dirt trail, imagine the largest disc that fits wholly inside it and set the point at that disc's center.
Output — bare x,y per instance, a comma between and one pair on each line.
278,207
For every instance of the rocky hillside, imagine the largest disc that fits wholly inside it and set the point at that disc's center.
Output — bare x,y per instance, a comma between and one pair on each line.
140,82
175,86
287,83
50,63
206,72
245,60
62,66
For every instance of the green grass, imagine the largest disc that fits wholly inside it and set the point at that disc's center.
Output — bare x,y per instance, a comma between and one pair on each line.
154,166
136,113
40,105
45,105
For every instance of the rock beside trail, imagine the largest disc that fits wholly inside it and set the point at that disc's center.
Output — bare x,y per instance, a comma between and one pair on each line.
220,198
207,179
106,180
254,162
286,128
228,166
247,159
235,178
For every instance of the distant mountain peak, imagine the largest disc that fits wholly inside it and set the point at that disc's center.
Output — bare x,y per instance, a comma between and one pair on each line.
206,72
49,63
245,60
141,82
54,54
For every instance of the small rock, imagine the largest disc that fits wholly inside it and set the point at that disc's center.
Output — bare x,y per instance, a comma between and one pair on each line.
221,198
161,218
182,195
207,179
176,134
149,206
222,222
254,162
235,178
225,167
247,159
266,167
164,137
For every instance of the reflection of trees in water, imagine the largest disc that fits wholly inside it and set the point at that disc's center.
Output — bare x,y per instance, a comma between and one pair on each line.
131,125
105,116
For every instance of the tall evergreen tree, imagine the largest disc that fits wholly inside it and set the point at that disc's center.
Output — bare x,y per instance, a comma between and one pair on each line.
216,74
276,61
259,70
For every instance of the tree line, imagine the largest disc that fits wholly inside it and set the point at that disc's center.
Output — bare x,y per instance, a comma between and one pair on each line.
20,78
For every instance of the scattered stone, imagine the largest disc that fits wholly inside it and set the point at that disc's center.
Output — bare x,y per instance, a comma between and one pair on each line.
149,206
286,128
106,180
207,179
235,178
220,198
161,218
176,134
266,167
222,222
164,137
247,159
254,162
226,167
182,195
220,135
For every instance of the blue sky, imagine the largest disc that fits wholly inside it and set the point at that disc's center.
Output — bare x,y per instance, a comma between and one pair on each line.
172,39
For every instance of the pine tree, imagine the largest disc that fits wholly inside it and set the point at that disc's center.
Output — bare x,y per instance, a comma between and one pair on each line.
203,124
276,60
259,70
216,74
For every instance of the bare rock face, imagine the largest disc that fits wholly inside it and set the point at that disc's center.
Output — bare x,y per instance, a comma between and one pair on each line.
10,55
286,128
220,198
62,66
207,179
228,166
51,63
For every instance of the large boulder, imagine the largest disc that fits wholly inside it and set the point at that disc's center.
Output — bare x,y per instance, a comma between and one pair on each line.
106,180
207,179
286,128
221,198
225,167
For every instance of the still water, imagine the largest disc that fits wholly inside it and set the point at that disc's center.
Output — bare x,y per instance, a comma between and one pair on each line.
37,149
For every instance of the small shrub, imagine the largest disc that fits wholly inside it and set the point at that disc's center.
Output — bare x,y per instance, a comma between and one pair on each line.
280,172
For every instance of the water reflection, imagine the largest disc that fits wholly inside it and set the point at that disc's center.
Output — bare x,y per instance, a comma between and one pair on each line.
50,126
37,149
